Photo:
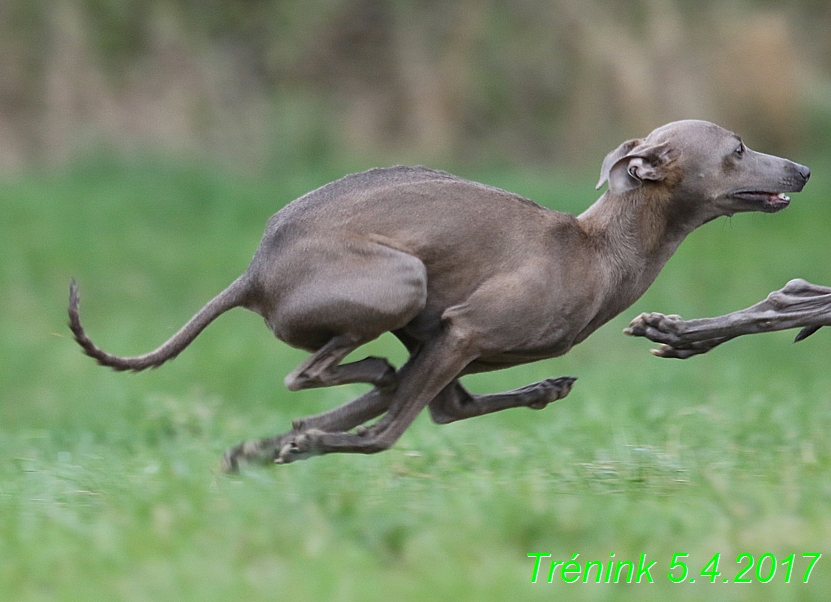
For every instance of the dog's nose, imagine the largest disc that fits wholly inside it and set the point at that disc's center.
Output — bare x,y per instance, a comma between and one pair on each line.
804,172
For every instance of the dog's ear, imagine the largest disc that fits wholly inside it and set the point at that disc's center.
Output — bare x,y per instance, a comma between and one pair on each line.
613,157
634,161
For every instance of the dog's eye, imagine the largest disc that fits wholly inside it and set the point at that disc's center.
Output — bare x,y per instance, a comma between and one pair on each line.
739,150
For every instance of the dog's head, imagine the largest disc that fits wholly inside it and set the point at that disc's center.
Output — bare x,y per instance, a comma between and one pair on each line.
707,167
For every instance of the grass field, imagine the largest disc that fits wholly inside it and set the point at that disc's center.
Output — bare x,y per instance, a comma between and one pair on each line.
110,486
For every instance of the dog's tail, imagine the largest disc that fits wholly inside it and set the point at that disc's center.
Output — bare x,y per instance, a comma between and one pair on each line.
231,297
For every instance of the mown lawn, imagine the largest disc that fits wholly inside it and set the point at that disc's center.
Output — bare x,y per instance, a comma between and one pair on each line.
110,486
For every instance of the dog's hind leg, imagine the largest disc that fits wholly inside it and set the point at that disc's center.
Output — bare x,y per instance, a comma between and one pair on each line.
360,410
323,368
422,378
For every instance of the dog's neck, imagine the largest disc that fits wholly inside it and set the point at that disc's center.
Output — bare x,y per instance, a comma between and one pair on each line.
634,234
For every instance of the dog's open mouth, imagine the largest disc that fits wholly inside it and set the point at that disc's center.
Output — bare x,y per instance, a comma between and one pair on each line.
771,201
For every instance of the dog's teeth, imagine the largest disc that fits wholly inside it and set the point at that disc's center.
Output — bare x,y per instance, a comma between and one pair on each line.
783,196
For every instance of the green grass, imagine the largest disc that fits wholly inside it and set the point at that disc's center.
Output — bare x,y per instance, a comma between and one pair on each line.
110,486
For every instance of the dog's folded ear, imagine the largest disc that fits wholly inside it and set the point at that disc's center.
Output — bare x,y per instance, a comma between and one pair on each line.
634,161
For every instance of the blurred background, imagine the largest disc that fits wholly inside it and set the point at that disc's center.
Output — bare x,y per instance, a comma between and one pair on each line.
143,145
254,83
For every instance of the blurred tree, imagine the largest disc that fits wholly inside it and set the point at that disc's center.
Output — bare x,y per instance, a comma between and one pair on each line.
253,81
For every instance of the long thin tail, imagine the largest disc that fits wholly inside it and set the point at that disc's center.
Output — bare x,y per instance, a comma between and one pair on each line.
233,296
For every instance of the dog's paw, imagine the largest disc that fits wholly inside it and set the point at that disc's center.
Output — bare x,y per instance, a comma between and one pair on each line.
657,327
551,389
255,452
299,446
687,350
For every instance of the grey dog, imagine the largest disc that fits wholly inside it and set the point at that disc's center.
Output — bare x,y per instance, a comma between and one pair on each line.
468,277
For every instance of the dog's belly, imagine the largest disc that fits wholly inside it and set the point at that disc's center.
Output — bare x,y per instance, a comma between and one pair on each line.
517,358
